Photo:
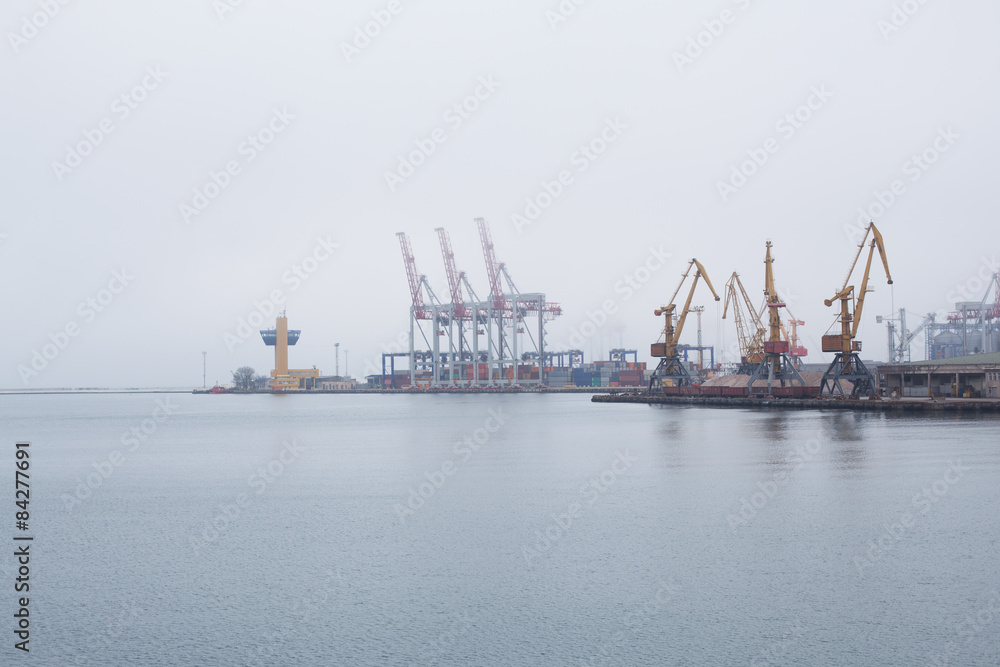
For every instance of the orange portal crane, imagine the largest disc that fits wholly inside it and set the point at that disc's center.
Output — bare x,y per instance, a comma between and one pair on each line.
775,365
671,367
847,365
749,330
797,351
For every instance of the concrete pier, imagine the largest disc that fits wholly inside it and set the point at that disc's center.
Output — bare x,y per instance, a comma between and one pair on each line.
884,405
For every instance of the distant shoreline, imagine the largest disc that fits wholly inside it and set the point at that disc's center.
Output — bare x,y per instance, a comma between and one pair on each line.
30,392
312,392
895,405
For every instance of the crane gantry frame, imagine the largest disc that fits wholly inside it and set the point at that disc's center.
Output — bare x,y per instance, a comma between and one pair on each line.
500,318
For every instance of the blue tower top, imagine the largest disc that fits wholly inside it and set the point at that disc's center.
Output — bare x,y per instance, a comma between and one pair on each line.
270,336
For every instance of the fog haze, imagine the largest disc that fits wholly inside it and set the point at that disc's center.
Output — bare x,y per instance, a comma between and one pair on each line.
885,92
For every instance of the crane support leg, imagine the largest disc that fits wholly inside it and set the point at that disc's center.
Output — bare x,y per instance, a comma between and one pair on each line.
775,367
848,367
669,368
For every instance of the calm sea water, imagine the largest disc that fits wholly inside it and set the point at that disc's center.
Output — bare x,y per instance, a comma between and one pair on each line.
499,530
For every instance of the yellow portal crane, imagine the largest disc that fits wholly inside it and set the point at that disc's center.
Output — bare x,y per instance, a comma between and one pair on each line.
670,366
847,365
775,365
749,330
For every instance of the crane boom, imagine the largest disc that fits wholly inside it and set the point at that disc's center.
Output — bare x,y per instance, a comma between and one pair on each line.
413,277
850,321
700,273
751,343
454,283
913,334
492,265
671,332
771,295
875,243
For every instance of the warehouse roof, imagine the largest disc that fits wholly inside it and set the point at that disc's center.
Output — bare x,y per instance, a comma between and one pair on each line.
991,358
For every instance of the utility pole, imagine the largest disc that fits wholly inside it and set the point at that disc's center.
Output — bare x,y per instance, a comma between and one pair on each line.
336,367
204,366
699,310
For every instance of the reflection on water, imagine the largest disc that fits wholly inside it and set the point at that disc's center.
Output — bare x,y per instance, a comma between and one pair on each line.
756,519
847,426
776,425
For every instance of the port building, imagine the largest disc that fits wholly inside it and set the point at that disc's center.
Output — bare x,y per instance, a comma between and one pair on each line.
282,377
971,376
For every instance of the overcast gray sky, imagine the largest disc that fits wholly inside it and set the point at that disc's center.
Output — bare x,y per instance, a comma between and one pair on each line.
203,150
